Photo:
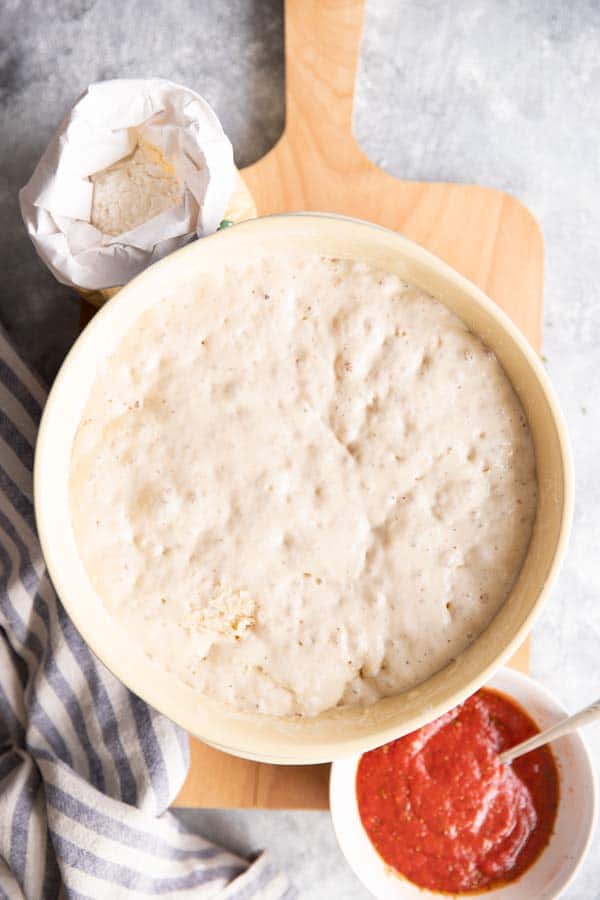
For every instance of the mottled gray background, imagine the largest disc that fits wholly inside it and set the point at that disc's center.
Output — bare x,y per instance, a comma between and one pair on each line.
500,93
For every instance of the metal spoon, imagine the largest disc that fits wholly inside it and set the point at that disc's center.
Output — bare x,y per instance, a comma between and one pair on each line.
590,714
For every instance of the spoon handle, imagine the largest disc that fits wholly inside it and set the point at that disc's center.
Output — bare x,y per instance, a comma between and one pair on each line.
590,714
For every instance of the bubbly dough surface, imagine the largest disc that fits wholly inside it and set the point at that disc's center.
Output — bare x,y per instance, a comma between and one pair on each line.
134,189
303,483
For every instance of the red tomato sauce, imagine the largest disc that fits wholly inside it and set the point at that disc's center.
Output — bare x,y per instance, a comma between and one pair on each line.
440,808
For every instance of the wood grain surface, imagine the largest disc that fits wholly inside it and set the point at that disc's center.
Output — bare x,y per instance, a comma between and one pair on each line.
487,235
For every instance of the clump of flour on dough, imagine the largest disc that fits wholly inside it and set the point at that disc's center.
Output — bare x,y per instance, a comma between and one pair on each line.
228,613
134,189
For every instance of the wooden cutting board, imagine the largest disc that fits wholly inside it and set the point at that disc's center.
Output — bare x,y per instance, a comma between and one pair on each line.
317,165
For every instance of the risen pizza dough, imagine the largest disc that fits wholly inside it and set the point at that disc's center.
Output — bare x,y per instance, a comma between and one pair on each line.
302,483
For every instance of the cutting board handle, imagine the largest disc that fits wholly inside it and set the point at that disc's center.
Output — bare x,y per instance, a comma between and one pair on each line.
322,46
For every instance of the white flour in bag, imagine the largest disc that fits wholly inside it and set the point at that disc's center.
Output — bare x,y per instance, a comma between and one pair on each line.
134,190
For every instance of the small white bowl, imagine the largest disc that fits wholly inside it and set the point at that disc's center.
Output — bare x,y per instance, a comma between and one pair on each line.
558,863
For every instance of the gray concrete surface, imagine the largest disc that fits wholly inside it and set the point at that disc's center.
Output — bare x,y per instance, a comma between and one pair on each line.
504,94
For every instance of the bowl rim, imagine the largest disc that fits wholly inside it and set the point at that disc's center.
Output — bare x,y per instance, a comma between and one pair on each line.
343,774
136,670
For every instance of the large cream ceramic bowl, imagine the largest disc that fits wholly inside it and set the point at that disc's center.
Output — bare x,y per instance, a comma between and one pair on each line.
342,731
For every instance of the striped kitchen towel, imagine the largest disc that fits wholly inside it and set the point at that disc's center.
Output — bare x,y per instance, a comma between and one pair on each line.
87,770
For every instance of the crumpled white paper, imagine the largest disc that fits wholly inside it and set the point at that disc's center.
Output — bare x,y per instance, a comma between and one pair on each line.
56,203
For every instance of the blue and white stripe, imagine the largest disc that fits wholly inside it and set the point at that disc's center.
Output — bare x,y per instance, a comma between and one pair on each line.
87,770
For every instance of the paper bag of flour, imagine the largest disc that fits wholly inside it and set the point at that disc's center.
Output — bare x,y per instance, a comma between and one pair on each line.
138,168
